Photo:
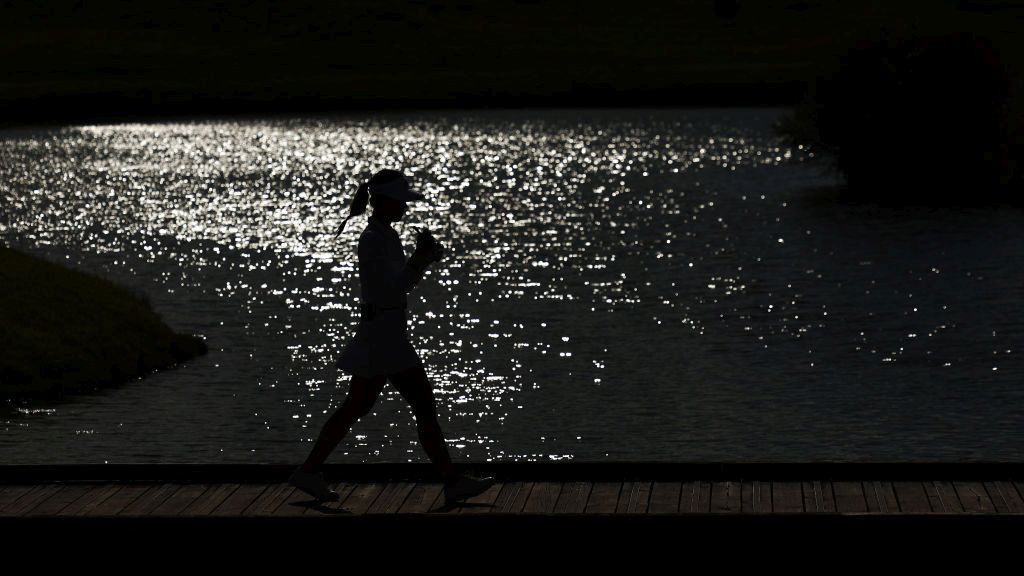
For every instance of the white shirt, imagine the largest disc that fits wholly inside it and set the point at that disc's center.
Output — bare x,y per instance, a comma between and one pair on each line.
385,276
381,344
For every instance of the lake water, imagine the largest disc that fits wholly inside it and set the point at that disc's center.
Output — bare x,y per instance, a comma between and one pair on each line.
630,285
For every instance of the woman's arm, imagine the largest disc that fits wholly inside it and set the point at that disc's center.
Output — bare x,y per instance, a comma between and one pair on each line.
385,279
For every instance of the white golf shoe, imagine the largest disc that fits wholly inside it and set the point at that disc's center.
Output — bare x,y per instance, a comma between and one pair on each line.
467,487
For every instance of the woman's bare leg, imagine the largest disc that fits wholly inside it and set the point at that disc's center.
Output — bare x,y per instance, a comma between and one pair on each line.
415,388
362,394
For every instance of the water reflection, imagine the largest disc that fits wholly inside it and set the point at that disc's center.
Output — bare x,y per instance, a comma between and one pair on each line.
664,263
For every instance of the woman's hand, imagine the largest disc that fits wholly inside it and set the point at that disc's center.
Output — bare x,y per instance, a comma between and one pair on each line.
437,253
428,250
424,240
427,246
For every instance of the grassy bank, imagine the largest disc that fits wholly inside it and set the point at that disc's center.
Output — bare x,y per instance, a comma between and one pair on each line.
66,331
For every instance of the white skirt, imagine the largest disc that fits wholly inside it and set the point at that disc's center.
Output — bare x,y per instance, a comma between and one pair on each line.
380,347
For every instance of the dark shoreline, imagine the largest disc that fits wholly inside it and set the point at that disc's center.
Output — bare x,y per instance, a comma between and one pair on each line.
121,108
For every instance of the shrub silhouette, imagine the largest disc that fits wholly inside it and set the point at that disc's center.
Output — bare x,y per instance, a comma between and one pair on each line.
915,120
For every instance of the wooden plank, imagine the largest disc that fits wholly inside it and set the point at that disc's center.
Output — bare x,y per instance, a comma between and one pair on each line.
30,500
384,499
701,498
886,490
85,506
604,497
398,500
811,505
440,504
850,497
482,503
634,498
360,500
211,499
59,500
688,494
12,493
1005,497
150,500
310,507
239,500
818,498
764,495
934,500
421,498
943,497
573,499
880,497
268,502
912,498
293,503
543,498
974,498
725,497
756,497
125,495
392,498
828,494
665,498
787,497
870,499
513,497
185,494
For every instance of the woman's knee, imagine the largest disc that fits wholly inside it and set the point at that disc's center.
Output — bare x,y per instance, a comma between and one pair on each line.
425,408
362,396
414,386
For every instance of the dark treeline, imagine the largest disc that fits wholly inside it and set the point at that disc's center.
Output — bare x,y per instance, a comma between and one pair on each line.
919,120
86,59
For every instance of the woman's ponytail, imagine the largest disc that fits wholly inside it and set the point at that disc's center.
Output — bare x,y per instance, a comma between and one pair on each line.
358,204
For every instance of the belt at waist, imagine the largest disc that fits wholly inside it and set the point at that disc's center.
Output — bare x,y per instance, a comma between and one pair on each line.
367,310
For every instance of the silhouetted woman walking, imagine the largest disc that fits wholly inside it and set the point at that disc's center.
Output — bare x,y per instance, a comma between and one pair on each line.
380,350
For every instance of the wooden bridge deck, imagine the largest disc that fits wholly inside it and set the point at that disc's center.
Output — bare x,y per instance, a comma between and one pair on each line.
634,497
588,512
